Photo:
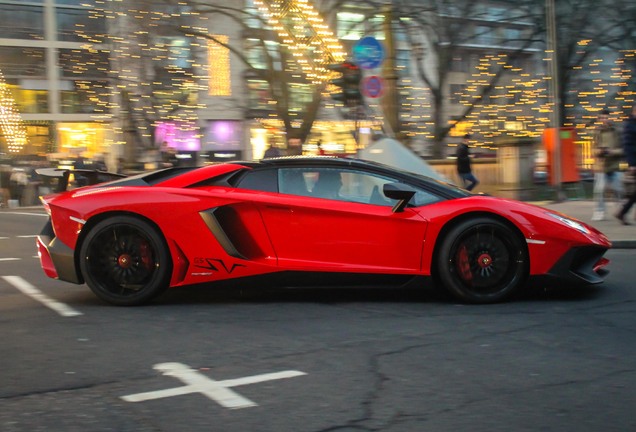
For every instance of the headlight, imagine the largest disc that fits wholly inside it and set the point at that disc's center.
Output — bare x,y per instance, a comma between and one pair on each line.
571,223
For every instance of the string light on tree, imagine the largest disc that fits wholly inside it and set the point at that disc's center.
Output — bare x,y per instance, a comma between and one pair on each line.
515,107
11,123
154,75
304,32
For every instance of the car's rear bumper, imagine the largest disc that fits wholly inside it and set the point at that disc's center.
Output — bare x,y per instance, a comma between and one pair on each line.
57,259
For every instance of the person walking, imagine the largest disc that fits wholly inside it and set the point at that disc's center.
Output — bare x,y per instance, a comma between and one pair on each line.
629,147
608,153
463,165
271,152
320,150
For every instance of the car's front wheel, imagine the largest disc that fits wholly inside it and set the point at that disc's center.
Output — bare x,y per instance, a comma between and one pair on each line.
482,261
125,261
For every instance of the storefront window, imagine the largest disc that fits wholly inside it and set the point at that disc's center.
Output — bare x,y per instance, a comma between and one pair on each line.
182,136
29,99
70,2
222,135
83,88
354,26
21,21
350,25
25,74
78,63
84,97
39,139
78,25
20,62
178,49
76,138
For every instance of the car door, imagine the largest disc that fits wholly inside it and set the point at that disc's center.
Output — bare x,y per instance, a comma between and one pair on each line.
313,226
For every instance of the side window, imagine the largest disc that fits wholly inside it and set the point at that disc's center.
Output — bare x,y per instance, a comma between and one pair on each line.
293,181
335,184
312,182
343,185
422,198
368,188
259,180
364,188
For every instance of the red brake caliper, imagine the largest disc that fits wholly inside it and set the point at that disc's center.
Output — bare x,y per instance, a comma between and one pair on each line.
463,265
146,255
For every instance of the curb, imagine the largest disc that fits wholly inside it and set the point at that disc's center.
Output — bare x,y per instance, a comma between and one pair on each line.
623,244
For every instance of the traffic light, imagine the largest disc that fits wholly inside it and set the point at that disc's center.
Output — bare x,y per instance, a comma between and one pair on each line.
348,83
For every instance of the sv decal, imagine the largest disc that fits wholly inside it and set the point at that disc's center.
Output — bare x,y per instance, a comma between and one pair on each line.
213,264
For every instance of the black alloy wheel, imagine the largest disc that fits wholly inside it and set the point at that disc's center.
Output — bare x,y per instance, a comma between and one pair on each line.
482,261
125,261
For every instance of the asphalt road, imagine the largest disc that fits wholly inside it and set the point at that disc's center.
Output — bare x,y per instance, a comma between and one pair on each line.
310,360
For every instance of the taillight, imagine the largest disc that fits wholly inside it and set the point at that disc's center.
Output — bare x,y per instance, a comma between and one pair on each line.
45,204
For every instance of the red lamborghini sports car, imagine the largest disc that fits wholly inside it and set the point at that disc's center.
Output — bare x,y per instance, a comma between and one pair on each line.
304,220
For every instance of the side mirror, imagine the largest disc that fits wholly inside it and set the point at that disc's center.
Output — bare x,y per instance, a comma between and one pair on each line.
400,192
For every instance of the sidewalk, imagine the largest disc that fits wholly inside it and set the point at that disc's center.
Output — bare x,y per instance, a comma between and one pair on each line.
621,236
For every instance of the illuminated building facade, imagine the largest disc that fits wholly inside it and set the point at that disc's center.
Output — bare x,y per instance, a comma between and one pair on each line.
64,91
38,46
111,77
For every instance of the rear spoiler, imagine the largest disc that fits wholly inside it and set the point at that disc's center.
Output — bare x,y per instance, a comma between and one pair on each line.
92,177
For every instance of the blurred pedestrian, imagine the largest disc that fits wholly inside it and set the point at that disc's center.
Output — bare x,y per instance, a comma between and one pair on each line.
321,151
271,152
99,163
80,164
629,147
464,168
608,153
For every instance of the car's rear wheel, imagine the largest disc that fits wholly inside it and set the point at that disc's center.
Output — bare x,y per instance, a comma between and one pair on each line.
482,261
125,261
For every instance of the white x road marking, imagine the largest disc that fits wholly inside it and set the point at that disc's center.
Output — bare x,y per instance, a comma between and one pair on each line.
217,391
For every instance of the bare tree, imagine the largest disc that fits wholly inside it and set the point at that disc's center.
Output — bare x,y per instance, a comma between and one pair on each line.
621,25
583,29
439,32
148,65
278,66
153,79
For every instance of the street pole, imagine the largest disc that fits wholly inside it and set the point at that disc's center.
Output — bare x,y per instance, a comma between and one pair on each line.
551,26
390,99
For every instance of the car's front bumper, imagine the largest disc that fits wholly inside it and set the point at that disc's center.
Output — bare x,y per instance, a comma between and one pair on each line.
585,264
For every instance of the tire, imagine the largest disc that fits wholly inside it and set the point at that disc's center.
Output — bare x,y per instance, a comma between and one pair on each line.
125,261
482,261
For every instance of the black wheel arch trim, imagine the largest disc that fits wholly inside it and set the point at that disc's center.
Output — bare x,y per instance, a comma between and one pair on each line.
470,215
90,223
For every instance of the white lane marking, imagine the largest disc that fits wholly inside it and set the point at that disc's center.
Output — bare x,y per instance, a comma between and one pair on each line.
4,238
28,289
217,391
27,236
10,259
